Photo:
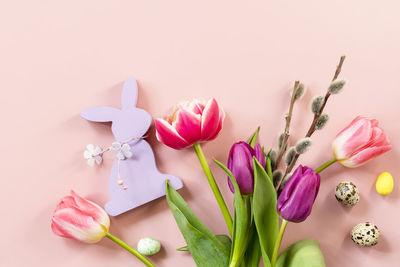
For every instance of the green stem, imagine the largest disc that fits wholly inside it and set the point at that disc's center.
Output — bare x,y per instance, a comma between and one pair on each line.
325,165
240,245
214,186
278,243
130,249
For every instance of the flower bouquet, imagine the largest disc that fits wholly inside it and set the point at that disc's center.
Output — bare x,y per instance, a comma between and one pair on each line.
267,194
269,189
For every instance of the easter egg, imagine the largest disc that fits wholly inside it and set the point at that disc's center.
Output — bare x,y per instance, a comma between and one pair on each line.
148,246
365,234
384,184
347,194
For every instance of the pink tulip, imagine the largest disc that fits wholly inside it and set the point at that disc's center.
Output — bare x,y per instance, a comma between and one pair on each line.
80,219
191,122
359,142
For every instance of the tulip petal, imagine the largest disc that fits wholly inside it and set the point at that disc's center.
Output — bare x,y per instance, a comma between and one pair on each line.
219,127
168,135
287,190
378,138
59,231
196,107
365,155
241,166
353,137
259,154
91,209
318,184
76,225
67,201
212,119
187,125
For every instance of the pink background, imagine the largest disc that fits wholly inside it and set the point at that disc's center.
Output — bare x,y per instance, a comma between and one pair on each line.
59,57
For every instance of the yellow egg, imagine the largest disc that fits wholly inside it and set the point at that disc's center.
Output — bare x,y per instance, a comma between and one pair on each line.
384,184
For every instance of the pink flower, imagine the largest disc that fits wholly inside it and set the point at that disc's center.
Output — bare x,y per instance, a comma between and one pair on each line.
190,122
80,219
359,142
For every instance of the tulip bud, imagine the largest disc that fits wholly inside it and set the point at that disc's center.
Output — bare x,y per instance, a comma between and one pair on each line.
290,154
297,197
359,142
300,92
316,104
80,219
321,121
336,86
240,163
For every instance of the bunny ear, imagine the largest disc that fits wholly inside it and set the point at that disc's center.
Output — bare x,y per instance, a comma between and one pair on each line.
100,114
129,93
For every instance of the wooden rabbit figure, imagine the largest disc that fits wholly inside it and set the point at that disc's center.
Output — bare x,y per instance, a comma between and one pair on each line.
142,182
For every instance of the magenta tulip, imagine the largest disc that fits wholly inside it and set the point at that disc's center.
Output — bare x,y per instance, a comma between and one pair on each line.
359,142
191,122
240,163
297,197
80,219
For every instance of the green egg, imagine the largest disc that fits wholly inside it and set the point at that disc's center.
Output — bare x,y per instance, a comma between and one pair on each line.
148,246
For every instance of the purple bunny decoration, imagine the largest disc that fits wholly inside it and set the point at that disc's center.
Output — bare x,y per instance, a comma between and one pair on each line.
135,179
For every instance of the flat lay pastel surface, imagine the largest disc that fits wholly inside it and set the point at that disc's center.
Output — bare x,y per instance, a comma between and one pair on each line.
60,57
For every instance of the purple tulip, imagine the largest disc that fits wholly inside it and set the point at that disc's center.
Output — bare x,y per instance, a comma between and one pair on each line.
298,196
240,163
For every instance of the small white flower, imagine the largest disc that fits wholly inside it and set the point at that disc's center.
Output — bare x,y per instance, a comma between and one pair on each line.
122,151
115,147
93,155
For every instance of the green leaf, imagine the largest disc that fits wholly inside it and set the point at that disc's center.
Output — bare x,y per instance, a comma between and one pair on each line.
264,209
268,166
205,248
241,219
223,238
185,248
253,252
304,253
253,138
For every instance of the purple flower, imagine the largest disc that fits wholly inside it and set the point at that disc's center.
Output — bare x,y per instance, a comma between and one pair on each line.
240,163
298,196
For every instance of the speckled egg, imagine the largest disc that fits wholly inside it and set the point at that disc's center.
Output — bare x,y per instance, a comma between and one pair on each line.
365,234
148,246
347,194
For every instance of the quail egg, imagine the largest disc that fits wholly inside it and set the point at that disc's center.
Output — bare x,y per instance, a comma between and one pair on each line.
347,194
148,246
365,234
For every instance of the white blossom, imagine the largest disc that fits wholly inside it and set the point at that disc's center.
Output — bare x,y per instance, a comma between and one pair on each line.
93,155
122,151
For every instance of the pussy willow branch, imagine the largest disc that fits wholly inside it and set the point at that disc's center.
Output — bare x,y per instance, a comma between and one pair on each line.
286,133
311,130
